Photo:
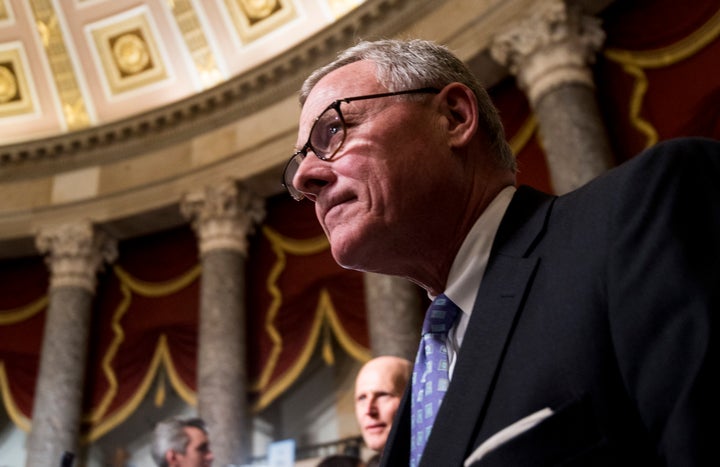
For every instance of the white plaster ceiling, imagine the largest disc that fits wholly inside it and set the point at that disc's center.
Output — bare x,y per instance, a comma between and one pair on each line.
72,64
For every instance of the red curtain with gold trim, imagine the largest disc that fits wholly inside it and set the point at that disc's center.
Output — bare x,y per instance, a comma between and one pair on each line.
298,295
145,317
658,76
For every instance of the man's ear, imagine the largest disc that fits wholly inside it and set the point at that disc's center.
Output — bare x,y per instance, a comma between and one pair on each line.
461,110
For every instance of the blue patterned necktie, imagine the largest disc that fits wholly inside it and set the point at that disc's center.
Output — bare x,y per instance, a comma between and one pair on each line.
430,377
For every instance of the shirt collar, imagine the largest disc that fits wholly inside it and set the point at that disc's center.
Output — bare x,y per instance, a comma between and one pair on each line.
469,265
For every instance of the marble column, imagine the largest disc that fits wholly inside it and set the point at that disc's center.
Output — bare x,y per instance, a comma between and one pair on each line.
75,253
394,315
550,52
223,216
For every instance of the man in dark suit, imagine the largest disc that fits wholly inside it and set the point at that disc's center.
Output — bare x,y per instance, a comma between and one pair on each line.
584,333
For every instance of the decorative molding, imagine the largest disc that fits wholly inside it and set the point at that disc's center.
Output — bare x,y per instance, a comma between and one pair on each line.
128,49
197,43
6,13
551,46
71,98
224,215
75,253
16,94
342,7
255,18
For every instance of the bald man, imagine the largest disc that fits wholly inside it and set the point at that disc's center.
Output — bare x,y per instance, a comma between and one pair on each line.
379,387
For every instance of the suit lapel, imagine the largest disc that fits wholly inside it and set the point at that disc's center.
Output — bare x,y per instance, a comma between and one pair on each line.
507,278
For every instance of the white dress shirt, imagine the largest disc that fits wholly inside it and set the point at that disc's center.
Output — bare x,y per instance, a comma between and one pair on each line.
469,266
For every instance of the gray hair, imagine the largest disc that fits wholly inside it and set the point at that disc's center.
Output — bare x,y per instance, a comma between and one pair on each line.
417,64
169,435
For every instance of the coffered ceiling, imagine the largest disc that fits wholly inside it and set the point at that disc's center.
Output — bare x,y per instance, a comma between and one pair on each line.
71,64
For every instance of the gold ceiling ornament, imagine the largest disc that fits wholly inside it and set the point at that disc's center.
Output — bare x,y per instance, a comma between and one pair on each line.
75,114
131,53
16,97
255,18
46,28
128,51
257,10
8,84
61,65
4,14
196,41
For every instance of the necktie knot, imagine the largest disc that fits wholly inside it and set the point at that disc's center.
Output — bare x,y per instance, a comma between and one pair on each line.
441,316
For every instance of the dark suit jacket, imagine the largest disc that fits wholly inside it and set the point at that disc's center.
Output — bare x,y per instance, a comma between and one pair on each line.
600,305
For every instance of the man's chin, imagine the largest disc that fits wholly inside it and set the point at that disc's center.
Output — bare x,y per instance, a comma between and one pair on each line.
374,445
349,258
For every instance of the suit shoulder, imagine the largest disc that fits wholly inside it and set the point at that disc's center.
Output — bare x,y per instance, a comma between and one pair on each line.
677,154
669,163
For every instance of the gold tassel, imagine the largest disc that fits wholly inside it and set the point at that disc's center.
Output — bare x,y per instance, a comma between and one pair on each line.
160,393
327,351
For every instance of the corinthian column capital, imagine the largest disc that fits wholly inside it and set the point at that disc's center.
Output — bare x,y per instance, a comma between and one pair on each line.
76,252
223,215
551,46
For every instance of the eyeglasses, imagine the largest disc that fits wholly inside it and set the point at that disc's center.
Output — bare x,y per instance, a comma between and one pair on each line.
327,135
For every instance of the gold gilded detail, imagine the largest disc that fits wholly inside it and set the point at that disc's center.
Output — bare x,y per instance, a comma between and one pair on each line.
255,18
8,85
196,42
257,10
63,70
3,11
75,114
131,53
16,97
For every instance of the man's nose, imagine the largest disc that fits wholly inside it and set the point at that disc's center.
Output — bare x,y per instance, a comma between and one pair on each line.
311,176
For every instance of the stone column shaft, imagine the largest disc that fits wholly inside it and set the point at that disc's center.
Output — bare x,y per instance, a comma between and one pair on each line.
76,253
549,51
394,315
573,136
222,373
223,216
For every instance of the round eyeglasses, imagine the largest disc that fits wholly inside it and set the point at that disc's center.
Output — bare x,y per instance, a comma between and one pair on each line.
327,135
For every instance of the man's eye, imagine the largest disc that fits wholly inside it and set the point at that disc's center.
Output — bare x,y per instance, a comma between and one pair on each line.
333,129
330,130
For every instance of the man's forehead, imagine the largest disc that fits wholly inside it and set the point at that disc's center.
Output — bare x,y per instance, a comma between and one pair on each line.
194,432
353,79
376,378
375,387
350,80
